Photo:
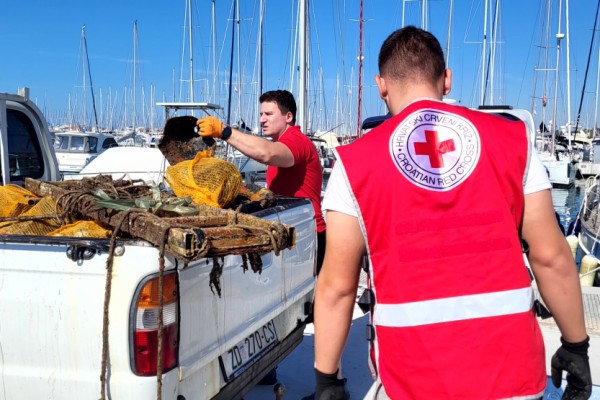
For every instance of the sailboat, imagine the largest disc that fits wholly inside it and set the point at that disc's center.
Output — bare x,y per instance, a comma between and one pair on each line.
77,145
557,158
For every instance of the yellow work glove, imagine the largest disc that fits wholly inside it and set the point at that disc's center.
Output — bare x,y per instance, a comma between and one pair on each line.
210,127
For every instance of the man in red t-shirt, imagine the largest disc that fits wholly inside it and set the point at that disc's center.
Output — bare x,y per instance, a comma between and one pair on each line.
293,165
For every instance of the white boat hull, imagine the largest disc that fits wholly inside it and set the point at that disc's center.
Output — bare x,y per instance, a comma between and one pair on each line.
562,173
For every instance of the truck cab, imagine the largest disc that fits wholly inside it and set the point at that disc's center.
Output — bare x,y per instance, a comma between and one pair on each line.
25,147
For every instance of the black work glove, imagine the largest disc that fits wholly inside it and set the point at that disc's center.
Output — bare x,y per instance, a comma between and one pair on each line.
573,358
329,387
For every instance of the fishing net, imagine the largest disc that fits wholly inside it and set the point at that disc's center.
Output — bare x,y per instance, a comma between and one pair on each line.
207,180
47,221
14,200
86,229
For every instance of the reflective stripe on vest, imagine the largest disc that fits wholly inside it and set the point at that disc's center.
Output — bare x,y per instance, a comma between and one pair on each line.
454,308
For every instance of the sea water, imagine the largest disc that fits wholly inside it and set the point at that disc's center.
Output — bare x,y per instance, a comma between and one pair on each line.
568,201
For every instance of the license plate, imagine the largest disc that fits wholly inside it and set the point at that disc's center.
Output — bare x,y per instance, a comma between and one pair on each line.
248,350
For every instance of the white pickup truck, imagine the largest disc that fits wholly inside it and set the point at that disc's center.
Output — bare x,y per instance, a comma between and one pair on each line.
52,294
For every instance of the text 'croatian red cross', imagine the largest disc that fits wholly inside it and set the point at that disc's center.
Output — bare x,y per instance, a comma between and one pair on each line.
433,148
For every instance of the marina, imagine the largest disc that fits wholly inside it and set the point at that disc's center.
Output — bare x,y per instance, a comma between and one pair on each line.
217,62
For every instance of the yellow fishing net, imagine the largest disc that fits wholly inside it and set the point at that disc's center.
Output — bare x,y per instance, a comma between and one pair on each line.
14,200
87,229
207,180
39,227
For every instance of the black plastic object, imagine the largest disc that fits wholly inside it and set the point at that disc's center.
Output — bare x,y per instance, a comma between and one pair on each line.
180,141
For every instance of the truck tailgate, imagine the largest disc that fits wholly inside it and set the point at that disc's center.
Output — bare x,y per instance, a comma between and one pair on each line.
51,317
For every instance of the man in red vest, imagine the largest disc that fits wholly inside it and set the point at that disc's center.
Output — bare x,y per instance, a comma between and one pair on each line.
438,197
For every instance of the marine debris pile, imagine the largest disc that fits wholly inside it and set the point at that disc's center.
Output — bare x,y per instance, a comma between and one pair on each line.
102,207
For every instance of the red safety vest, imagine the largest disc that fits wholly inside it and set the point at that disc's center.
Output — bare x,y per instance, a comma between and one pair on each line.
439,190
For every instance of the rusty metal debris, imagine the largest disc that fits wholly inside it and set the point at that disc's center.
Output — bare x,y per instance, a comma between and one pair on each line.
213,232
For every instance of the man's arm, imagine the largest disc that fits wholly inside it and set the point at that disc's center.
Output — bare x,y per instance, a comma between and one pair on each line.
262,150
553,266
336,289
255,147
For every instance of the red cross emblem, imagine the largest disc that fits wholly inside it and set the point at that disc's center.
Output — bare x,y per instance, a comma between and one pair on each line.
433,148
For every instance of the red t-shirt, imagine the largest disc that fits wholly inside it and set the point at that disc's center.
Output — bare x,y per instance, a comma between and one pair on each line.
304,178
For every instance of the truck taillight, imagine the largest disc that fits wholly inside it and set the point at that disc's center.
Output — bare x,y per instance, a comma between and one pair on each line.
144,322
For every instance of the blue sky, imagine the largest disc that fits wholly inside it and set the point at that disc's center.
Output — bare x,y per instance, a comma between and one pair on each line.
41,49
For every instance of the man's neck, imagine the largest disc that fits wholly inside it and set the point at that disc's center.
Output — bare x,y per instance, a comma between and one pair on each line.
407,95
276,137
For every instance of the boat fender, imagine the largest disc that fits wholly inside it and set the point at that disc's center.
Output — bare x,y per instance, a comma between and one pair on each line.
573,243
588,264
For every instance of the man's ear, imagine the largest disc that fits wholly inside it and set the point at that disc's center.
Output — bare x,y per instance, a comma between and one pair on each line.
381,86
447,81
289,117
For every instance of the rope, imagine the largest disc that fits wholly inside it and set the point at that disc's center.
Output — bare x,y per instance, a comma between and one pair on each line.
276,248
107,293
598,229
161,273
33,218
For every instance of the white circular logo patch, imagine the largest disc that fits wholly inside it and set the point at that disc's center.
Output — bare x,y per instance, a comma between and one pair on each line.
435,150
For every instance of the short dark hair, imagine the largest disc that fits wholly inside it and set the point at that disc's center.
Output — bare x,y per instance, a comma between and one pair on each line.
284,100
412,54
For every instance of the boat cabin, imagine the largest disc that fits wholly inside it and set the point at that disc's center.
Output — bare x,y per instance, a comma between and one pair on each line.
74,150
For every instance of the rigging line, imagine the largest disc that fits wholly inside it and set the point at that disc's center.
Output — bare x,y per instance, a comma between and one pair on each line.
204,92
285,61
545,80
294,22
320,79
183,42
538,18
586,70
248,99
597,231
225,35
339,21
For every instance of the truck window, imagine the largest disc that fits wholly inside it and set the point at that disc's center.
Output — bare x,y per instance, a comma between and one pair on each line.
24,151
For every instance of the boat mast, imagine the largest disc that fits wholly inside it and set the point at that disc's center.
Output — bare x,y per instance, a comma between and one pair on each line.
191,52
423,14
302,73
559,37
360,68
134,116
493,51
596,96
231,67
83,75
260,47
568,76
451,10
89,73
483,52
587,68
260,58
214,44
239,62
